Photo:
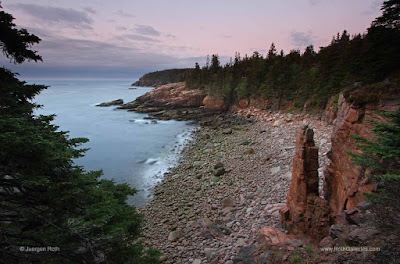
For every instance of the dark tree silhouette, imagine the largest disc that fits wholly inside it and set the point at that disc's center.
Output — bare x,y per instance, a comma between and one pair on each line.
390,15
46,200
15,43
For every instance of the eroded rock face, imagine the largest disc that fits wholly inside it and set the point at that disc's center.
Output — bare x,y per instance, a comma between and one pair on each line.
305,212
345,183
215,103
172,95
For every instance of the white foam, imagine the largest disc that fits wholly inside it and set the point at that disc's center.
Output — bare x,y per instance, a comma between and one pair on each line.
152,161
155,173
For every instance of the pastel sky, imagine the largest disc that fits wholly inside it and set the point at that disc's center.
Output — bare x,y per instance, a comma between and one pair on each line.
126,38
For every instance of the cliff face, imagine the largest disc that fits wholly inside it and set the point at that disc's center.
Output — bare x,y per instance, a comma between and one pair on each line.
215,103
345,182
173,95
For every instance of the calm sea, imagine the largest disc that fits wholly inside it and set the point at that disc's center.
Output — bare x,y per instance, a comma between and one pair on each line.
128,148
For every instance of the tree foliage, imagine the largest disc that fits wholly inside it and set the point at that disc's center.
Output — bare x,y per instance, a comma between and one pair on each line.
382,156
46,200
15,43
310,76
162,77
390,15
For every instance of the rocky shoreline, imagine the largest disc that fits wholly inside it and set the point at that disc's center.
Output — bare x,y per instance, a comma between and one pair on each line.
231,181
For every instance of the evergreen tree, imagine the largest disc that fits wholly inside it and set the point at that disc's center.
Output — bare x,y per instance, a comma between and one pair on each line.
215,64
382,157
45,200
15,43
272,51
390,15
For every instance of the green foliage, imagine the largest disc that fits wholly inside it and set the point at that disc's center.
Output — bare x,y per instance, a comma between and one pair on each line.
48,201
163,77
382,156
335,101
15,43
391,15
241,89
295,258
309,77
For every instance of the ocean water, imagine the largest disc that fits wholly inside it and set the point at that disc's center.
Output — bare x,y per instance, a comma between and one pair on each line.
128,148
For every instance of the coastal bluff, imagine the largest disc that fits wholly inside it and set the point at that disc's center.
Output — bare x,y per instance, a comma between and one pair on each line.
176,101
175,95
287,185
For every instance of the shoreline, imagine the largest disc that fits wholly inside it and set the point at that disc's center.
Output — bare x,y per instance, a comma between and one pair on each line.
198,217
171,160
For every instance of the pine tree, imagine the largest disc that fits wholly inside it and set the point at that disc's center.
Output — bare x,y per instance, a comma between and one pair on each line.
390,15
45,200
382,157
272,51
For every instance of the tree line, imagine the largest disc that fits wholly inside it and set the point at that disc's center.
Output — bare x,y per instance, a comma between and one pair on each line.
307,77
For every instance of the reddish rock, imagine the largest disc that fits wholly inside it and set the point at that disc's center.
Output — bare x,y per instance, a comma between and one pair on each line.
215,103
330,111
259,103
243,103
228,202
346,183
305,212
209,230
271,236
173,94
326,242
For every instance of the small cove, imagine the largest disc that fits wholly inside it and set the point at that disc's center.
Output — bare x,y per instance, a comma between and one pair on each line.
126,146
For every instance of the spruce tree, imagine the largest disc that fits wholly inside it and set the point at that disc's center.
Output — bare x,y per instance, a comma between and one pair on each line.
381,157
390,15
47,202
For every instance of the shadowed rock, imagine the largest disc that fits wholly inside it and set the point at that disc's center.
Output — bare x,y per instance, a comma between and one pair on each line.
115,102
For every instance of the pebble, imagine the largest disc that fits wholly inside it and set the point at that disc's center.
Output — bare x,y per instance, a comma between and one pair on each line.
191,191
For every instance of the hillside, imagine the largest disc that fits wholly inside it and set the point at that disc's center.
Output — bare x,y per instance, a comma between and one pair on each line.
161,77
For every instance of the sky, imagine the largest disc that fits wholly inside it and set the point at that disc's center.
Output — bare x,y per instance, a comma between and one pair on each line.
126,38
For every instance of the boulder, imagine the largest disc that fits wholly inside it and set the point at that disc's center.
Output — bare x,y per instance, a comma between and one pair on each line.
249,151
278,122
175,235
215,103
244,142
360,236
218,165
227,131
209,229
220,171
209,253
275,170
271,236
228,202
326,242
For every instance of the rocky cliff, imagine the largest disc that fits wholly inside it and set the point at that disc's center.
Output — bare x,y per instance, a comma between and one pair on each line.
172,95
345,183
